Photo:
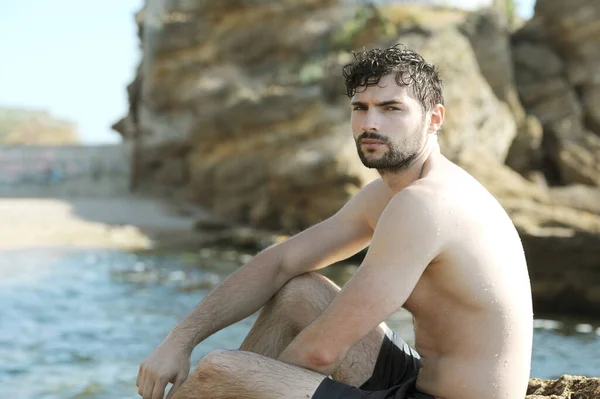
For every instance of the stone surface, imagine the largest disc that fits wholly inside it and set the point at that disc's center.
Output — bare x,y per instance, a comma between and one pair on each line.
492,128
525,153
562,246
489,35
557,55
286,160
574,28
566,387
577,196
591,103
579,159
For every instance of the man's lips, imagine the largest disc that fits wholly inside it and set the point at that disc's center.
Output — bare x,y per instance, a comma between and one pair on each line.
371,141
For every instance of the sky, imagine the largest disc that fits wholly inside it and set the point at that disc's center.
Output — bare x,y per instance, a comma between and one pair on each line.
75,58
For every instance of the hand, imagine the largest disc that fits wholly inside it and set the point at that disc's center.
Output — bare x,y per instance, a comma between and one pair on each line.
170,362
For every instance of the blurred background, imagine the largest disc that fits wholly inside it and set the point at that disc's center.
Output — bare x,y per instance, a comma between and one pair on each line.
149,148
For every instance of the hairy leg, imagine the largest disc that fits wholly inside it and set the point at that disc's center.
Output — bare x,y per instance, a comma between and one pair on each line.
293,308
245,375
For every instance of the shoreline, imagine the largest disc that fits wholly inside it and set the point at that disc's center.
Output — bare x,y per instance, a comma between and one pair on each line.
127,223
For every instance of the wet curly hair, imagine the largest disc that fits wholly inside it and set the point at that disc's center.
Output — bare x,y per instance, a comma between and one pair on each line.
411,69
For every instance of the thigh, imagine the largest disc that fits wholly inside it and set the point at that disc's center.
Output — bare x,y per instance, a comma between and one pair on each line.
397,364
394,376
359,365
239,374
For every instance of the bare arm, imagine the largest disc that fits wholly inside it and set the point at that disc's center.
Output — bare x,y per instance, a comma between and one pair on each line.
405,241
250,287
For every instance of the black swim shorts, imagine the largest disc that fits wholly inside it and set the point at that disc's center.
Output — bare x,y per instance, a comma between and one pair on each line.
394,376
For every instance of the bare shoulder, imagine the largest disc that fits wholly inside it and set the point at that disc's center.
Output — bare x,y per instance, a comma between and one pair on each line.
376,190
448,186
466,212
416,209
371,200
460,205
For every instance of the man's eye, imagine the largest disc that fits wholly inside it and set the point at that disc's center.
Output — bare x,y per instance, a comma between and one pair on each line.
358,108
393,109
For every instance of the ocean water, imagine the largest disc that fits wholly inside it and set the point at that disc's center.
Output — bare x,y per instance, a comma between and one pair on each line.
77,324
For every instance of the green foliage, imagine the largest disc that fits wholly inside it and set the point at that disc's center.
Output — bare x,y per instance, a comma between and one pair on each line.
511,11
11,118
344,38
311,72
27,126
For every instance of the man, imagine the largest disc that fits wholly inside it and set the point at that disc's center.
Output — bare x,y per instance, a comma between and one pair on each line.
440,246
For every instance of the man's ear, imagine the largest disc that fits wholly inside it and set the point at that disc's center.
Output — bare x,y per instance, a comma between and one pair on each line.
437,118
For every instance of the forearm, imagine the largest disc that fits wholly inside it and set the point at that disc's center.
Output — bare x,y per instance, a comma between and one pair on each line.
239,296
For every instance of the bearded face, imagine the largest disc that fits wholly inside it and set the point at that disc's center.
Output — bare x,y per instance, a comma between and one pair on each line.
389,126
382,153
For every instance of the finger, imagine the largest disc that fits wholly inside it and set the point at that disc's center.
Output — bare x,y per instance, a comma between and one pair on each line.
159,390
148,387
141,385
176,384
139,377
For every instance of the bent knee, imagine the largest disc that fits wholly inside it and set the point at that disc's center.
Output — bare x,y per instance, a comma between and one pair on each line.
212,363
211,375
218,357
303,298
308,284
215,356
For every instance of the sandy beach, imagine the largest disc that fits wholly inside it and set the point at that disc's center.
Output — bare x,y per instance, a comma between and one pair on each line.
128,223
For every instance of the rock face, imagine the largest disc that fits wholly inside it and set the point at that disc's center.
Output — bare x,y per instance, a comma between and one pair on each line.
557,55
260,126
489,35
240,109
241,121
566,387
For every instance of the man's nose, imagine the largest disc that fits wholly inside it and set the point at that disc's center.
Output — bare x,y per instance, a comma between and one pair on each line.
370,122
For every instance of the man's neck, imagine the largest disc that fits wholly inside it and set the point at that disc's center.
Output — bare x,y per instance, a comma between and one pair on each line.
397,181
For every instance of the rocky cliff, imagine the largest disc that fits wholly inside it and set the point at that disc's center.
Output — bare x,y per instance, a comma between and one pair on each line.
557,59
238,106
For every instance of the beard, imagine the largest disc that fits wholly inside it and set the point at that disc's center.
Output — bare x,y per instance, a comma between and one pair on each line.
397,158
